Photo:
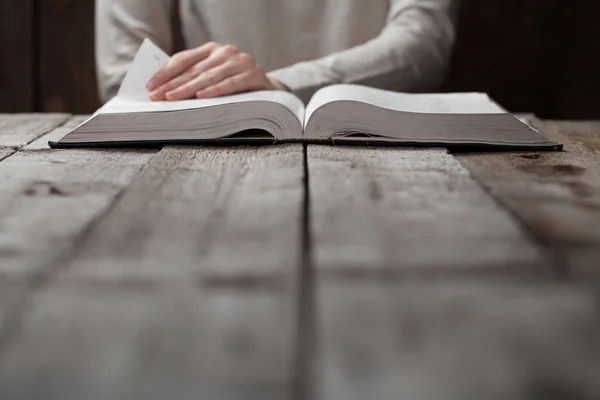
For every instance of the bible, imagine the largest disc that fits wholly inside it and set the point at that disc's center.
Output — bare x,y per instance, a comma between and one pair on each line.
337,114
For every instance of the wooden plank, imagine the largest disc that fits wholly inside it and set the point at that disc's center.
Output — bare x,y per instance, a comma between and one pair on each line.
17,83
118,323
56,134
17,130
219,213
455,341
174,342
408,211
48,198
556,194
67,89
10,294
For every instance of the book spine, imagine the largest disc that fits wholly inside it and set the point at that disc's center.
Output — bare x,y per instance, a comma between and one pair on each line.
306,140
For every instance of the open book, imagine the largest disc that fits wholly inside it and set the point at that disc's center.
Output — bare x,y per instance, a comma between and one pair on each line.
338,114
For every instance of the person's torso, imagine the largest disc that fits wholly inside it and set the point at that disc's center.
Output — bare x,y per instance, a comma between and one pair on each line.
278,33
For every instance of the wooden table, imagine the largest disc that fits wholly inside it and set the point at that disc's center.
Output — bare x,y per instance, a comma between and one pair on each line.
298,273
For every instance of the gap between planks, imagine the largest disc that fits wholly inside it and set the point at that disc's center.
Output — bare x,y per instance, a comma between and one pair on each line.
49,198
140,319
397,212
382,334
18,130
306,328
455,340
554,195
226,193
252,363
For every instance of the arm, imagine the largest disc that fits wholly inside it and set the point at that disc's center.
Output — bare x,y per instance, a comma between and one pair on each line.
121,26
410,54
207,71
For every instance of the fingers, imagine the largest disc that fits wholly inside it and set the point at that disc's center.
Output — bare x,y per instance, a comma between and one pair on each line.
208,71
203,66
243,82
219,55
209,78
160,93
180,63
249,76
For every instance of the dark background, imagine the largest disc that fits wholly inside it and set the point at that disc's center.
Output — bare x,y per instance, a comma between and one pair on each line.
540,56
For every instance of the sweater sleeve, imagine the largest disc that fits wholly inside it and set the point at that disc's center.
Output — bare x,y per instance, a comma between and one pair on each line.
410,54
121,26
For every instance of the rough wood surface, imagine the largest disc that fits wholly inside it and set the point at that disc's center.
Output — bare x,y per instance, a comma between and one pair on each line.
177,342
403,210
555,194
18,130
219,212
10,293
182,273
455,341
95,223
4,153
48,199
54,135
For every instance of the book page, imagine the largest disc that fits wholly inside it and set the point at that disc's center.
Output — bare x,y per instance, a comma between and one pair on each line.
120,105
147,62
439,103
133,96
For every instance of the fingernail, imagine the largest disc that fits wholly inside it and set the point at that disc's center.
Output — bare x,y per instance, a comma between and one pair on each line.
155,93
150,85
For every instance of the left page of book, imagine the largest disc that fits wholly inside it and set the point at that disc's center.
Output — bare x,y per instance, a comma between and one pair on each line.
147,62
133,96
131,116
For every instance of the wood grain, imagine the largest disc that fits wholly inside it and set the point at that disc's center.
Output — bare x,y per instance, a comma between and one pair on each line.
220,213
49,198
5,153
86,342
10,293
556,194
398,211
457,340
56,134
18,130
17,56
100,329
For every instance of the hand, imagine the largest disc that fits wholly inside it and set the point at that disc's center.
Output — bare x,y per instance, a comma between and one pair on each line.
210,70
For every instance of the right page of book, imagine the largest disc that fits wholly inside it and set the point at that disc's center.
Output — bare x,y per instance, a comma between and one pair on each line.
443,103
358,113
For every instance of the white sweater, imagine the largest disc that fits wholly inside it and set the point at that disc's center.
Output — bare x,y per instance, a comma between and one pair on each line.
399,45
